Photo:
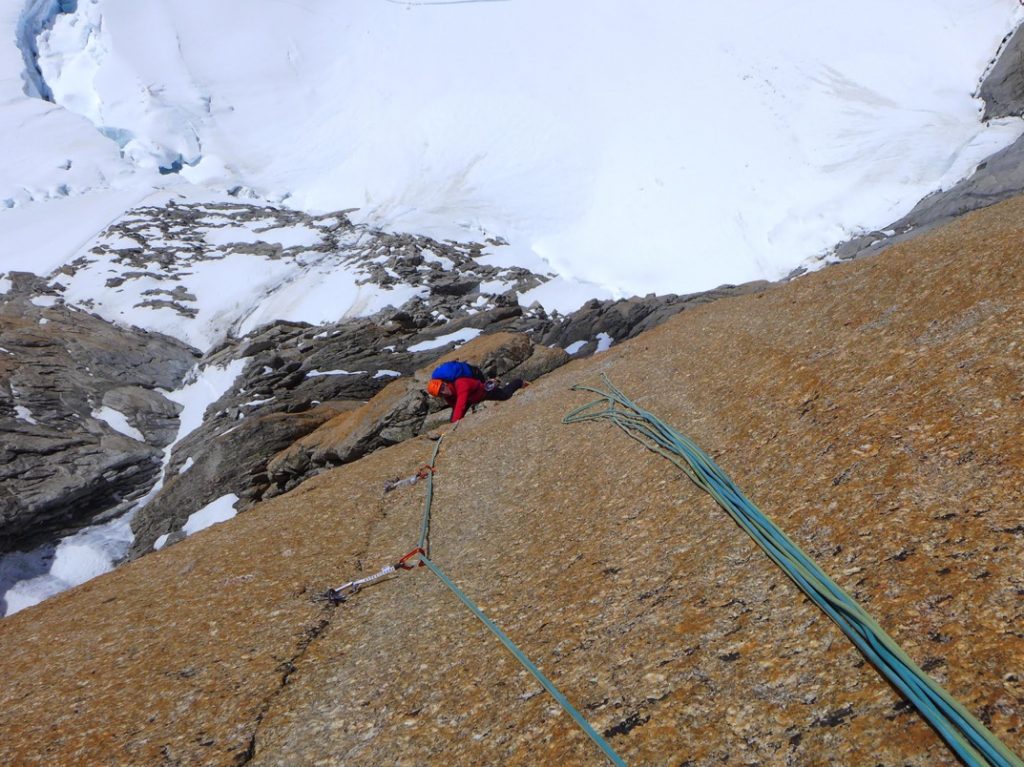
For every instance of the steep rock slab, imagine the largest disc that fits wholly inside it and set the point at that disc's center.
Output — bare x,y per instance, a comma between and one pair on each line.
208,651
871,410
80,413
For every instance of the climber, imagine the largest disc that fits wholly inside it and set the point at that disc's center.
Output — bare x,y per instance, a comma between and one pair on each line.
466,391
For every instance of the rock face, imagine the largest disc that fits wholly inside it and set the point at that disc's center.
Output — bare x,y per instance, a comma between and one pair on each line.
69,467
1003,88
401,410
257,453
63,372
872,409
234,462
293,368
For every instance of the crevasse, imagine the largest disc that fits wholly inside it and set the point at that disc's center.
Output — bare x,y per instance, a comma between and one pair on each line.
37,16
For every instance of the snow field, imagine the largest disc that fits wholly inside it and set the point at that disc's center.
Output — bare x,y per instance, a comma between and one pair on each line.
668,148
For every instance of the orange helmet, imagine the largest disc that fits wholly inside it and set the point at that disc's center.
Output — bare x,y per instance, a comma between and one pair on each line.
434,387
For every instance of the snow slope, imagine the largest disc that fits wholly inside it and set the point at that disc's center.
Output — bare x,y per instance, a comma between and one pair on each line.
666,147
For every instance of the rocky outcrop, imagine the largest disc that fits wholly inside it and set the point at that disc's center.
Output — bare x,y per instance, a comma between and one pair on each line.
872,409
245,443
399,412
234,462
283,422
147,411
160,259
1003,87
626,318
65,376
394,415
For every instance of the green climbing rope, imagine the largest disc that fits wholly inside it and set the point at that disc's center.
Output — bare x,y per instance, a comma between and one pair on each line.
422,552
968,737
527,664
425,525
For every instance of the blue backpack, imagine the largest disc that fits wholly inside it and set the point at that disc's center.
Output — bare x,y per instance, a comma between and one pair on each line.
449,371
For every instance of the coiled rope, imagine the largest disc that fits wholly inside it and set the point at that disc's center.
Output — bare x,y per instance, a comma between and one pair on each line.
422,553
965,735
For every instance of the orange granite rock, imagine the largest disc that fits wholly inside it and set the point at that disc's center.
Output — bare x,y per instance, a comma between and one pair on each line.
873,410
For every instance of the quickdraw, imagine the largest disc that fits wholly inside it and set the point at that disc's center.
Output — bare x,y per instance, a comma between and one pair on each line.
338,595
393,484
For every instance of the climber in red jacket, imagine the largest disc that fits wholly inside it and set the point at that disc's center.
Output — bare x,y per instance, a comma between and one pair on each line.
463,392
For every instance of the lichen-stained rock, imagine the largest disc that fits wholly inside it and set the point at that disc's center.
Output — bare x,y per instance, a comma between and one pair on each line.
496,354
393,415
872,409
542,360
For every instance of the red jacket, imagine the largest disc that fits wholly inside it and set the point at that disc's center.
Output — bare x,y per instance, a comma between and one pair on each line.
468,391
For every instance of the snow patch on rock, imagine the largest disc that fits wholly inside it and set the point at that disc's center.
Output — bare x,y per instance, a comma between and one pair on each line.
219,510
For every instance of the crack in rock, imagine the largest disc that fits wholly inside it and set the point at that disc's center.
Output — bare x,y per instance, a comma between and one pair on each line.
288,667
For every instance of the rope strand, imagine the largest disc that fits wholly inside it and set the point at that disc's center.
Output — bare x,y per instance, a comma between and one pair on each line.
422,553
964,734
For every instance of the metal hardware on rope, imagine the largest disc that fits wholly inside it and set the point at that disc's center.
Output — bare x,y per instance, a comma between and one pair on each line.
394,484
964,734
404,561
342,593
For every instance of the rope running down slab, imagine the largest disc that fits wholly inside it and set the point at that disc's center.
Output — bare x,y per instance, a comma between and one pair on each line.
965,735
422,553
